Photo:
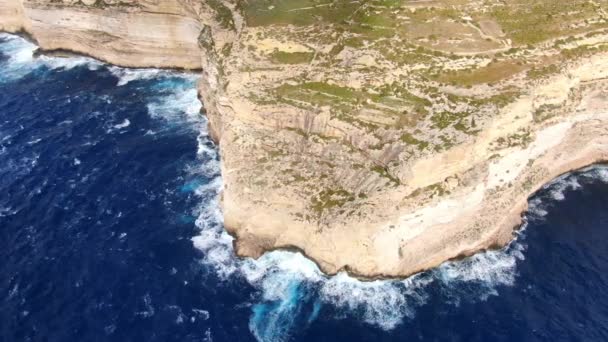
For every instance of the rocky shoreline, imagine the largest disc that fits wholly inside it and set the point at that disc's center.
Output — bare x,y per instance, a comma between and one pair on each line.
373,194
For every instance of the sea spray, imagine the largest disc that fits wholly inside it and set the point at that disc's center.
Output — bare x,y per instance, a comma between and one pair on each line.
127,75
287,281
22,60
557,189
383,303
291,289
93,219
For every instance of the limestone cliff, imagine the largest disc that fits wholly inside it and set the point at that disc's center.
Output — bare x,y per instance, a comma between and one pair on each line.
380,137
128,33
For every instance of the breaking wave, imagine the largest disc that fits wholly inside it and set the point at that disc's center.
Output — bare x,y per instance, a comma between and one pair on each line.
557,189
22,59
184,97
77,146
126,75
291,290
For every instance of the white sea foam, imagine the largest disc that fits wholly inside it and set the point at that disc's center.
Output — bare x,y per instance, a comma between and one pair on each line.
479,277
148,308
536,208
490,268
68,63
7,211
19,50
172,106
208,337
126,75
598,172
21,55
557,189
282,263
201,314
380,303
22,60
285,280
281,278
126,123
34,142
109,329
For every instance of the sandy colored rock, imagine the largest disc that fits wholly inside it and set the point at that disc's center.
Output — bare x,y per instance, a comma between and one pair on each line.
162,35
381,139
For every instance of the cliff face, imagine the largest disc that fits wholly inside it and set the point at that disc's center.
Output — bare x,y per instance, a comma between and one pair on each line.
378,137
161,34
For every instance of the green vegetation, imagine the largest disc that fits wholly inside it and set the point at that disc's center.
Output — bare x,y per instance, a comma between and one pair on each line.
545,112
437,189
466,126
296,177
399,92
411,74
342,100
443,120
409,54
299,131
329,199
446,143
522,138
277,153
583,51
319,93
498,100
399,107
410,140
536,73
492,73
282,57
223,14
383,171
297,12
532,22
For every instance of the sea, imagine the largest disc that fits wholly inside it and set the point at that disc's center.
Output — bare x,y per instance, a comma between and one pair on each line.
111,230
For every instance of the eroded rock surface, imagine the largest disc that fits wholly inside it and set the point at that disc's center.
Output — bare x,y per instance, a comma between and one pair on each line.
381,137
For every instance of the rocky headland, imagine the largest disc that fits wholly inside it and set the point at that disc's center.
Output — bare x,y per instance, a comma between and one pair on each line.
377,137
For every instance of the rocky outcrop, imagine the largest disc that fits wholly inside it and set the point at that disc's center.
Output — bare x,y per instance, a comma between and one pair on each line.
377,138
160,34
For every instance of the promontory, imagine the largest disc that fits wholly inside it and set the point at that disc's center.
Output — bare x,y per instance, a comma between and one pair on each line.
380,137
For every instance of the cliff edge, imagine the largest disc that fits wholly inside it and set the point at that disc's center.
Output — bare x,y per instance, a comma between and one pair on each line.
378,137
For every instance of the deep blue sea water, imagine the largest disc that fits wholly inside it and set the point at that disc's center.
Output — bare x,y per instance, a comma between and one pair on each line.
110,231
